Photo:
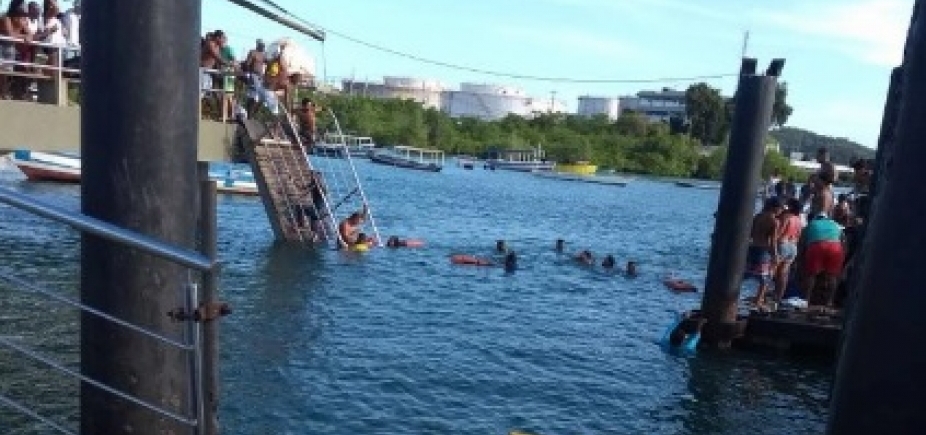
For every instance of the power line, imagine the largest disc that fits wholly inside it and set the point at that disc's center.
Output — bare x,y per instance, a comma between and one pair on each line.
491,72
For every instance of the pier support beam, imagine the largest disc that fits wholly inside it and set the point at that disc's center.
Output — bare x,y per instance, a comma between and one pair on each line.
755,96
208,238
139,131
882,369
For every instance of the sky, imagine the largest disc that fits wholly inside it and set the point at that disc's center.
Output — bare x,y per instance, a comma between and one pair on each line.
839,53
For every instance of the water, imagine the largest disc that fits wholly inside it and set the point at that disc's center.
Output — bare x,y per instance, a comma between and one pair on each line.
401,342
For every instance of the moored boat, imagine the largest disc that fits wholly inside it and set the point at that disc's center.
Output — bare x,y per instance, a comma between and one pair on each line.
525,160
580,168
335,145
410,158
65,167
593,179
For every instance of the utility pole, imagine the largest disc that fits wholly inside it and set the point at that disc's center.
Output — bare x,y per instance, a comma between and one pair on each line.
552,101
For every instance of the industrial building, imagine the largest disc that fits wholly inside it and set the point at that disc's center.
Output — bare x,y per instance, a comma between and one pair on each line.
483,101
657,106
591,106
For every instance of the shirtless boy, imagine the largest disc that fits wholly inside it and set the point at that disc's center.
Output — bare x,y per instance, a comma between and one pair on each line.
763,246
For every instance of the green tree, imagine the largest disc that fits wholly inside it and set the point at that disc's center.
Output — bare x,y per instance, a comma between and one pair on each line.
707,113
631,124
781,111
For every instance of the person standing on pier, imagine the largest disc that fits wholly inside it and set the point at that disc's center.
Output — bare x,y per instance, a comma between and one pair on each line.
822,253
763,247
307,129
822,201
790,226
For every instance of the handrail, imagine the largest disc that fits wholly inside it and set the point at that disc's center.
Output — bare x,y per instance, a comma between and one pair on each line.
108,231
66,46
353,169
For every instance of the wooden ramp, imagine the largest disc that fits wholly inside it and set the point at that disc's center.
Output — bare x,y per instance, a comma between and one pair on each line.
304,202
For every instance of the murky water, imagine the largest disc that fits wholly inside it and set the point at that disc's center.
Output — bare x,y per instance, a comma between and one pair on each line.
402,342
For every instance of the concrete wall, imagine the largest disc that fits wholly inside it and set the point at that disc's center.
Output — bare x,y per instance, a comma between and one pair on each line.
46,127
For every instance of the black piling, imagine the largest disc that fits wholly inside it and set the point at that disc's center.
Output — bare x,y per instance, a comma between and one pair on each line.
208,238
139,132
755,96
882,368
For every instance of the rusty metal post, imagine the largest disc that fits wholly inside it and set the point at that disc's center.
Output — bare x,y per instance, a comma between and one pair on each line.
208,239
755,96
882,368
139,134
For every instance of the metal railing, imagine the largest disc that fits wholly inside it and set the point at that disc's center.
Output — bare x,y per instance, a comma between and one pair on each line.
194,418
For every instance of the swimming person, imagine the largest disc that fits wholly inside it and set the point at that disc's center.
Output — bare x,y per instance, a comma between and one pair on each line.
500,247
608,262
560,245
585,257
395,242
350,227
470,260
763,247
362,244
631,268
511,262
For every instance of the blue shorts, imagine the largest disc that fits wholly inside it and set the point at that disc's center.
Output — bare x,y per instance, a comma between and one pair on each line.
759,264
787,251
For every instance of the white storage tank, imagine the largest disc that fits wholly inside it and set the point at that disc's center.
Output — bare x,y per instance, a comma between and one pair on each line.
591,106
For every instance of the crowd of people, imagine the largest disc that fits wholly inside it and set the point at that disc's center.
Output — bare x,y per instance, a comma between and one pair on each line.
23,25
264,77
807,237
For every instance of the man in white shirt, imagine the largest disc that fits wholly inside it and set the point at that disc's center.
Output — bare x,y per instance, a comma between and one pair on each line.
71,23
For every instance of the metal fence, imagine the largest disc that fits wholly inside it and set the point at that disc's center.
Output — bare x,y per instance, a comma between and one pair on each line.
199,266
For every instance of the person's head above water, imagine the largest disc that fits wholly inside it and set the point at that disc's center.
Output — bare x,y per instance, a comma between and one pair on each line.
393,242
355,218
511,261
500,246
560,245
631,268
608,262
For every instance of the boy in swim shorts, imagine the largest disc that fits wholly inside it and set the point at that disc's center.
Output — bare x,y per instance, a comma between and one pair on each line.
763,247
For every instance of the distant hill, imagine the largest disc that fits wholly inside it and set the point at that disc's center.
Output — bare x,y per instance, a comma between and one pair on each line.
842,151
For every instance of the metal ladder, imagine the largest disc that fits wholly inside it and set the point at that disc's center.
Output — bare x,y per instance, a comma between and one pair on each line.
292,177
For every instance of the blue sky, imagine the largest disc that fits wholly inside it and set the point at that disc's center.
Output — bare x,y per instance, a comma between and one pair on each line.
839,52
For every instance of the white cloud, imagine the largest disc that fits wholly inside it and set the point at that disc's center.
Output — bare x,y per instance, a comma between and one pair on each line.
872,31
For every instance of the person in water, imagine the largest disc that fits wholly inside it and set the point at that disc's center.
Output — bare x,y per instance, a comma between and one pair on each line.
349,228
395,242
560,245
501,247
608,262
585,257
763,247
363,243
790,225
631,268
511,262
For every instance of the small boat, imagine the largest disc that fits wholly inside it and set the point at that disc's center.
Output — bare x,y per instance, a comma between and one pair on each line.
466,162
410,158
578,168
705,186
335,145
64,167
58,167
594,179
524,160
